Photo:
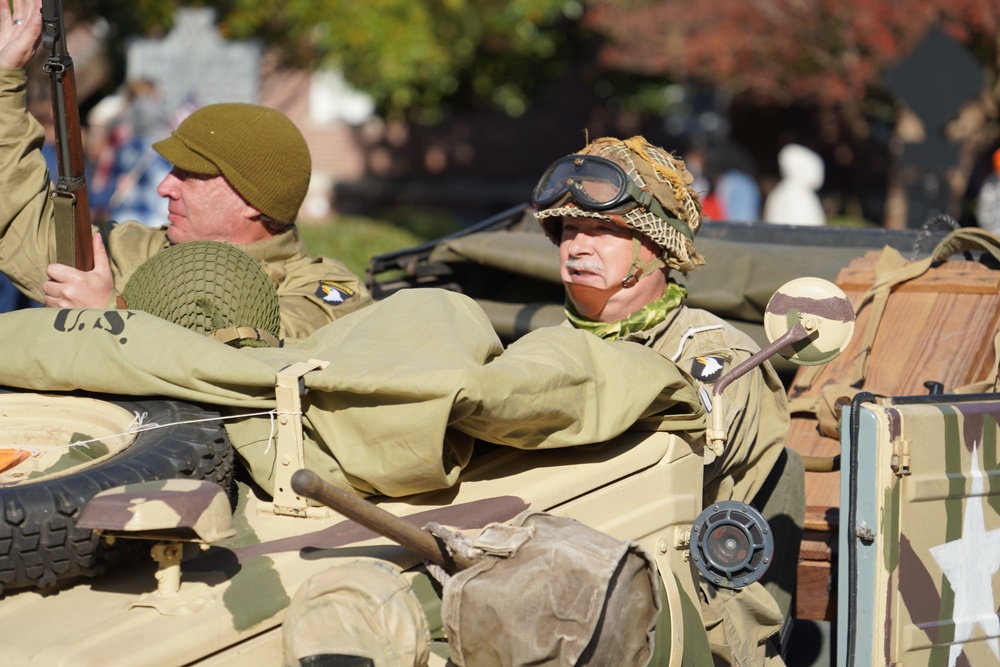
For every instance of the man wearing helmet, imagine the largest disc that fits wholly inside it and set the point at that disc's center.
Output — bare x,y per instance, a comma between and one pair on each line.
241,172
624,215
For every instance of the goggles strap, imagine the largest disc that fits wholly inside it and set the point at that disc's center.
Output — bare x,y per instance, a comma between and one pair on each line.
639,267
650,203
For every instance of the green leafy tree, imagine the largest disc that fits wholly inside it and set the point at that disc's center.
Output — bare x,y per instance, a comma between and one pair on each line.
414,58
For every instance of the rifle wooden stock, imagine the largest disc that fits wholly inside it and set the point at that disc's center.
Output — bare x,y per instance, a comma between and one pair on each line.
310,485
70,201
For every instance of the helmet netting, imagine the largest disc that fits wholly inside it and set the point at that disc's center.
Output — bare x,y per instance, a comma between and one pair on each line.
206,286
657,172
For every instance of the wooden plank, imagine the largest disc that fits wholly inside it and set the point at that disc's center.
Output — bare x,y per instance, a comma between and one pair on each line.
822,519
823,488
817,546
813,600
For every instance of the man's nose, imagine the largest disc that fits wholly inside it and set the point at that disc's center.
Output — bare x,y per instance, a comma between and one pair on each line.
167,186
580,244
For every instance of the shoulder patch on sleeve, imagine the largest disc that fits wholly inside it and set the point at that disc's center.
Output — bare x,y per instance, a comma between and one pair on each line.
333,292
709,368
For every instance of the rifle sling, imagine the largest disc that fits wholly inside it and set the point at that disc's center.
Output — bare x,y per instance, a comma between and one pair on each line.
64,205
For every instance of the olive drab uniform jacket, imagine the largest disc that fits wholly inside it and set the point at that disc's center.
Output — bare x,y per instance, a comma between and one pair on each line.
706,347
312,291
756,419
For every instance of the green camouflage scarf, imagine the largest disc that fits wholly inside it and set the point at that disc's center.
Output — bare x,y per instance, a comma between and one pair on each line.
648,316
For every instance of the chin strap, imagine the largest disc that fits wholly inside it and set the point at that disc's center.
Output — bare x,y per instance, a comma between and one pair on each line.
639,267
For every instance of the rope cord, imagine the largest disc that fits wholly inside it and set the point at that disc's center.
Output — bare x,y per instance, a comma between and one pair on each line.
138,425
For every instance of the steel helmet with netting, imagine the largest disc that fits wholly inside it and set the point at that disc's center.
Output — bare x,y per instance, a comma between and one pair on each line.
654,196
210,287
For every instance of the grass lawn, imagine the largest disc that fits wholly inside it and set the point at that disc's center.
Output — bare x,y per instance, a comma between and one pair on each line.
355,240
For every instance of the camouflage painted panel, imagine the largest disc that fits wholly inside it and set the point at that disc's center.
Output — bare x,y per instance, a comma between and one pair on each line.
178,509
939,538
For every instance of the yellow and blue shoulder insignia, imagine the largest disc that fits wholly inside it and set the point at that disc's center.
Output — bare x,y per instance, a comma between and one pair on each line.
709,368
333,292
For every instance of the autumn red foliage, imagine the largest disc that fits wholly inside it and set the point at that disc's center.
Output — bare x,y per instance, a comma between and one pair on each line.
822,52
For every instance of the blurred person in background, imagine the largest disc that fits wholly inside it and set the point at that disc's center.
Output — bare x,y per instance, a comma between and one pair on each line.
127,168
794,200
736,186
988,201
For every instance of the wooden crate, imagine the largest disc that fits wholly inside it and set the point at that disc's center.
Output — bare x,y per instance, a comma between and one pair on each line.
938,327
815,594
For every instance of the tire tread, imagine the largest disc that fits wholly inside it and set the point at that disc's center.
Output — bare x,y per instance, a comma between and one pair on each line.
40,544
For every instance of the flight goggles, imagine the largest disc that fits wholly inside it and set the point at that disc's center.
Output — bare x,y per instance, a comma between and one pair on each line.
597,184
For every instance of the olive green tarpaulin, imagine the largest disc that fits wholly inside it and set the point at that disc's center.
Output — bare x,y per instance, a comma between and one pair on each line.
411,382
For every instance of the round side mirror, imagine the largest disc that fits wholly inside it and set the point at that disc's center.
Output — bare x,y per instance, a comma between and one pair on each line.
822,309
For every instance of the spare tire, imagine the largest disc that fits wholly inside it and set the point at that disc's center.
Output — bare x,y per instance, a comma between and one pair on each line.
81,444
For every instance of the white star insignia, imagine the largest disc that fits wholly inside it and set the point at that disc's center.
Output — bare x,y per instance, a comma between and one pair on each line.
969,564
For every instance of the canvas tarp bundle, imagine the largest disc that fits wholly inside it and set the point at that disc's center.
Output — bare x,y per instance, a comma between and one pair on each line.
411,382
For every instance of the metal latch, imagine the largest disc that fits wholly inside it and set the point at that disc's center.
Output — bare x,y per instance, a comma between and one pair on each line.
900,460
290,456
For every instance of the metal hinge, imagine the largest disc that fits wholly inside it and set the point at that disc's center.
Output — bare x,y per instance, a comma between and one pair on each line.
900,461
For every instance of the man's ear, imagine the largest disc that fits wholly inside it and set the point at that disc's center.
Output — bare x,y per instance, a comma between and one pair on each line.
251,213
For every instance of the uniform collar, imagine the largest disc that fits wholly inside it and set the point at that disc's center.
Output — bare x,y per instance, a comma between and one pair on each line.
278,248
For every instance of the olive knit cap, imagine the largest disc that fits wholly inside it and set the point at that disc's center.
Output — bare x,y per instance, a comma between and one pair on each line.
658,172
258,150
210,287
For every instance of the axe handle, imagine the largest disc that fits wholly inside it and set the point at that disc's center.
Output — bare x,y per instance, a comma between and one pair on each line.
307,483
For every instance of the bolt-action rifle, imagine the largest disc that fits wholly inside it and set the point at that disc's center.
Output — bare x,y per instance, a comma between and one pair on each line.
70,200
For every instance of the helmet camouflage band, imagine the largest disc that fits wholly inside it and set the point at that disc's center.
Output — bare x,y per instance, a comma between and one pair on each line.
661,174
210,287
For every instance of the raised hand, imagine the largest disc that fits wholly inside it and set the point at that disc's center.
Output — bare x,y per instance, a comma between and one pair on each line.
20,32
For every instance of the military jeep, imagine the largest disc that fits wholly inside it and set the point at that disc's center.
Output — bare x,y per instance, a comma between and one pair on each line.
859,565
123,554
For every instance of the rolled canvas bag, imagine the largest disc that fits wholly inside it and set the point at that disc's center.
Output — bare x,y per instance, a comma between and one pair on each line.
551,590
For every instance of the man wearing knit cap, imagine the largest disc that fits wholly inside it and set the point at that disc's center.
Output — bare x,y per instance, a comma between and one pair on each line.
241,172
624,216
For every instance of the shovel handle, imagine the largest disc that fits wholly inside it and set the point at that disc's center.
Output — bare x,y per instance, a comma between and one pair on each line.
307,483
